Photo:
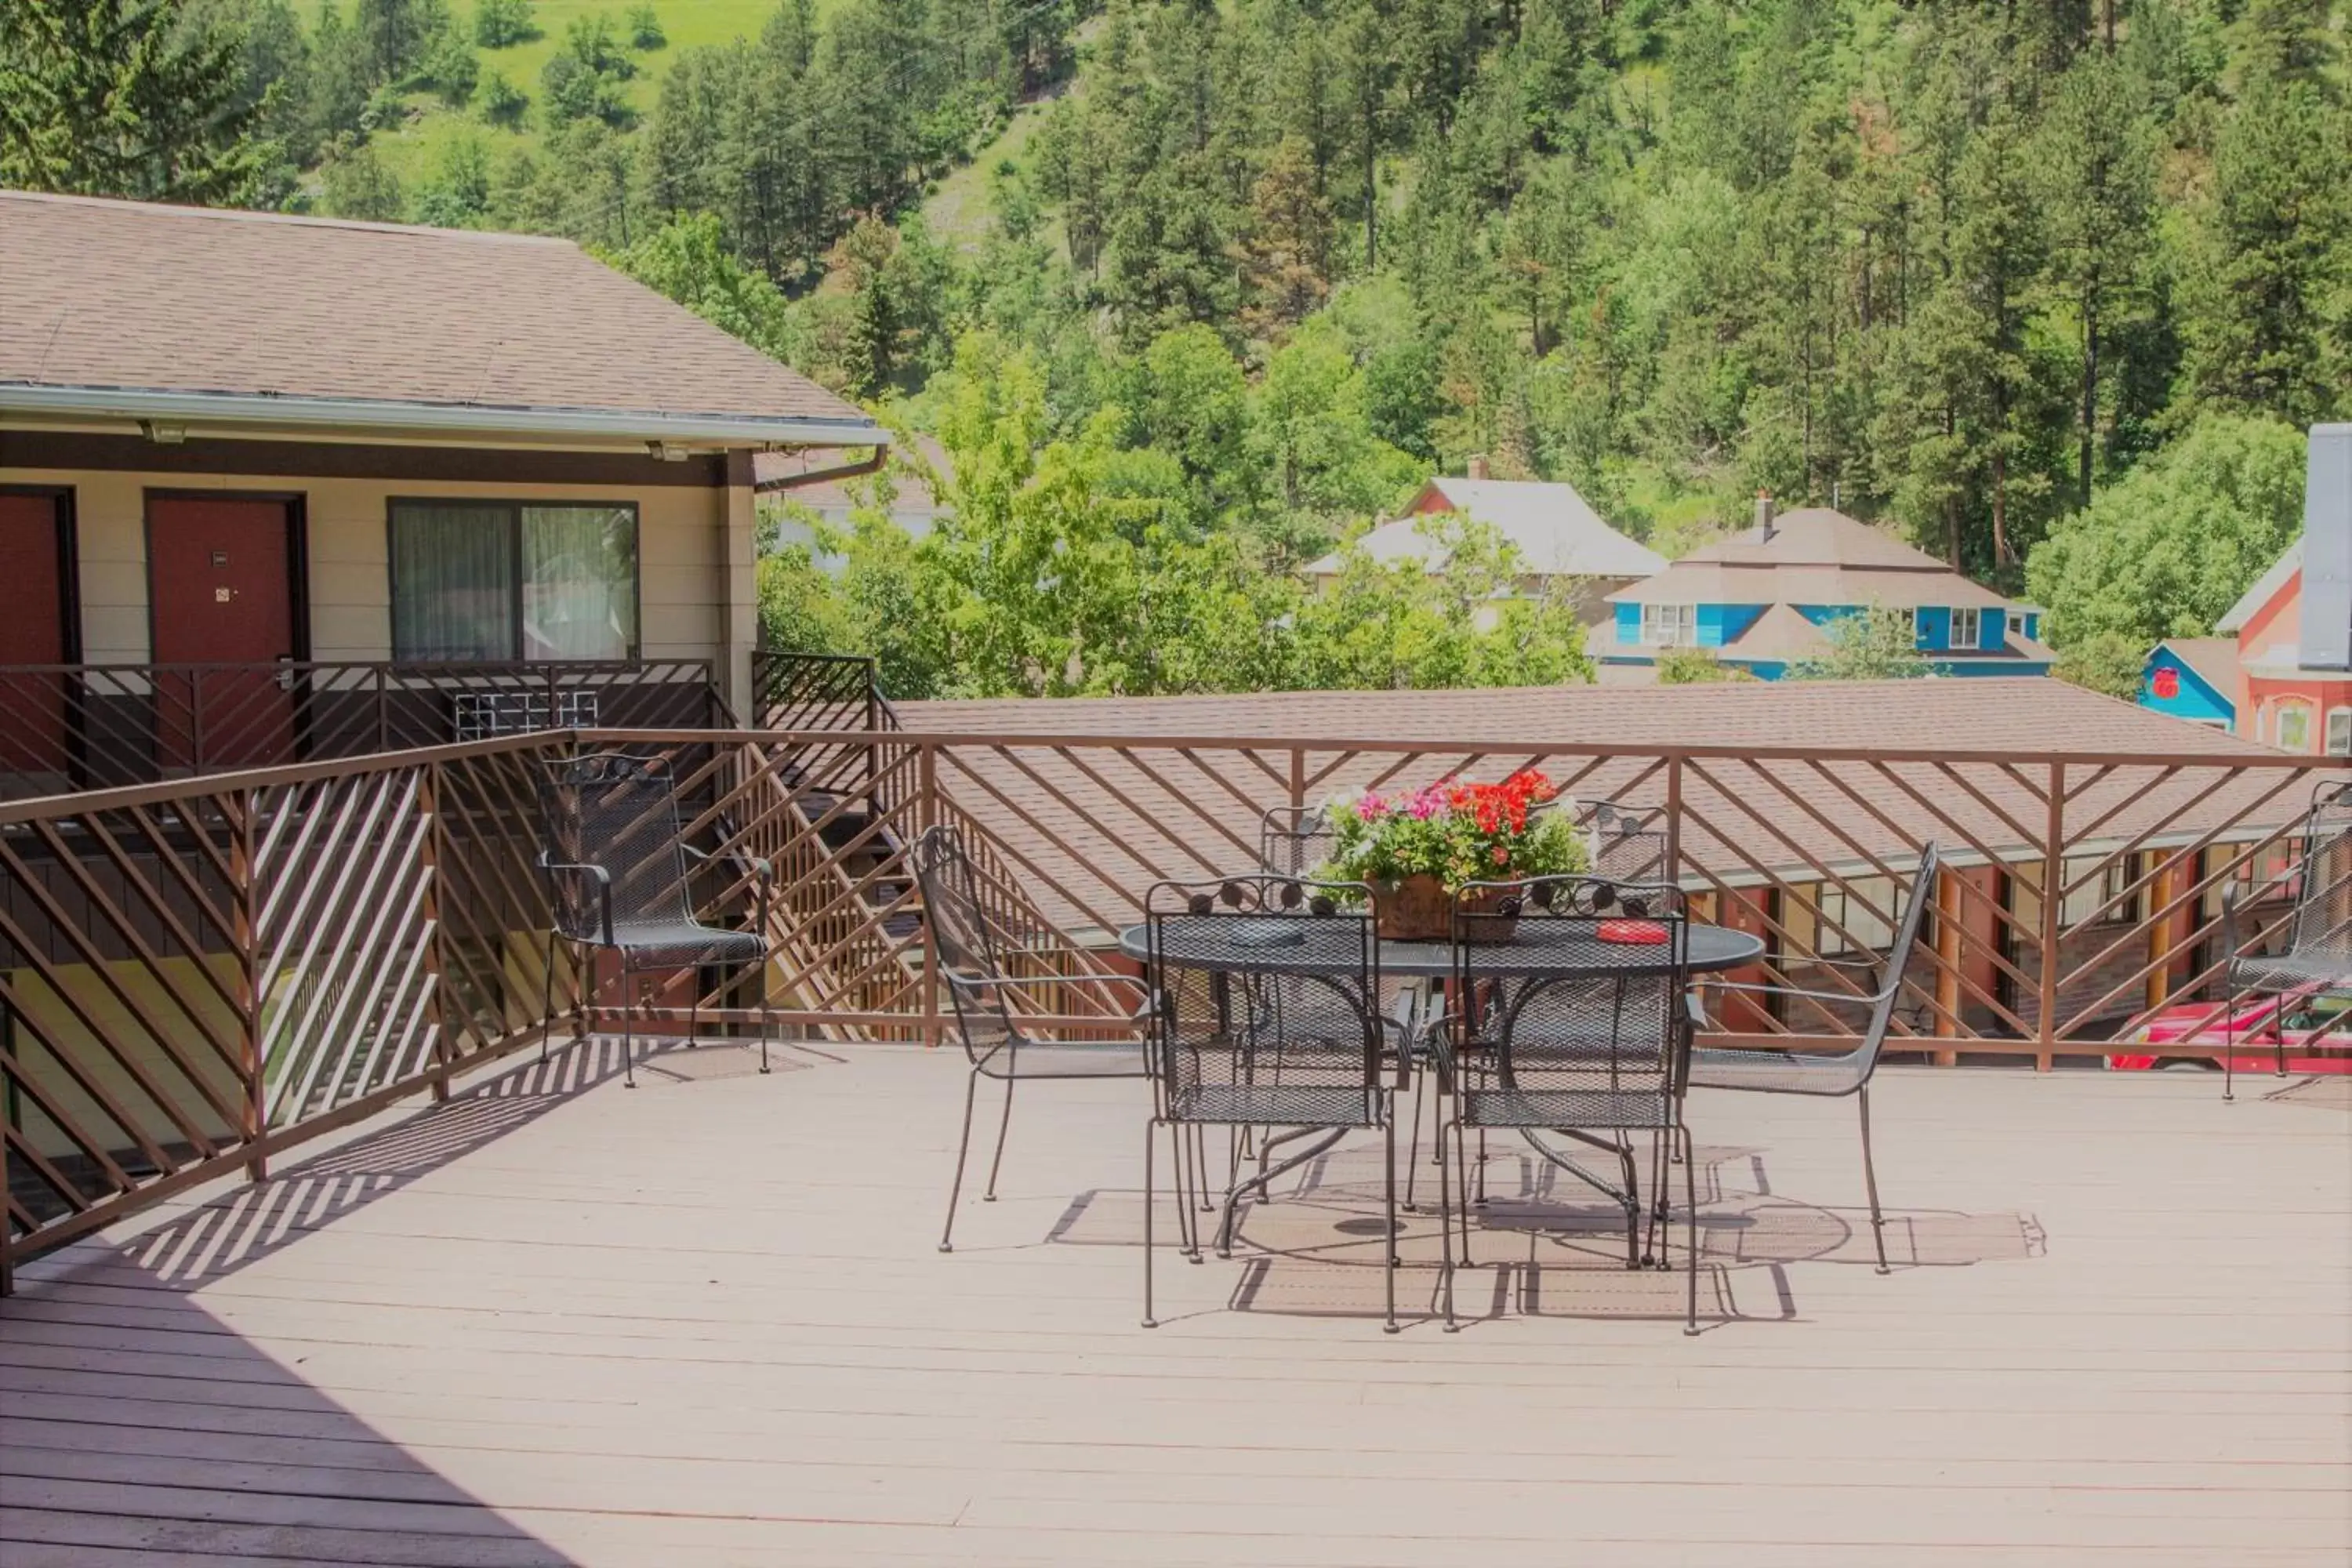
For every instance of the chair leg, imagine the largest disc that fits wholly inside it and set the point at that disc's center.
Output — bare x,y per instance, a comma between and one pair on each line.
1150,1131
628,1032
1633,1202
1004,1126
1445,1233
1690,1229
1870,1180
1461,1180
767,1008
1389,1242
1412,1143
547,997
963,1149
1481,1199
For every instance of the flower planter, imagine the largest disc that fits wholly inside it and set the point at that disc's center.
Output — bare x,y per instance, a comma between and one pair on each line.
1419,909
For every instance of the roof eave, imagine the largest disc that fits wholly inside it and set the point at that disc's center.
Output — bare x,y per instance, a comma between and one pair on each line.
387,414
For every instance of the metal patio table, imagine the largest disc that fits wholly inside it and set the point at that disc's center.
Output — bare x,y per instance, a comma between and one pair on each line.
1709,950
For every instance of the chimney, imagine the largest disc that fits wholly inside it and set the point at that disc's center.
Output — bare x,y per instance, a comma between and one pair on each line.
2326,634
1477,469
1764,515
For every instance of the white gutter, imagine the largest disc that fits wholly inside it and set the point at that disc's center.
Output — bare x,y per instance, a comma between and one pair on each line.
452,418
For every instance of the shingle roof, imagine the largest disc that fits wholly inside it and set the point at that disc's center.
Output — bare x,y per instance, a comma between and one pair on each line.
2214,661
1815,556
1557,532
1089,828
132,297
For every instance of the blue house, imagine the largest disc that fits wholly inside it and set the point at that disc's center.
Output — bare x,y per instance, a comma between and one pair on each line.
2194,678
1767,598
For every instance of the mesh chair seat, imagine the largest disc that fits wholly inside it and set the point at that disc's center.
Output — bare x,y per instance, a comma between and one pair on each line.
1778,1072
1598,1109
2293,970
1277,1105
681,945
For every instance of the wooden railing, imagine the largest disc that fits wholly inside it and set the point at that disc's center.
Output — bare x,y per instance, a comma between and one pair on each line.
96,726
198,976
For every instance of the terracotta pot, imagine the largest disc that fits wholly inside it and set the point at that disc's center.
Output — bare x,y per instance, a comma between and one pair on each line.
1419,909
1415,909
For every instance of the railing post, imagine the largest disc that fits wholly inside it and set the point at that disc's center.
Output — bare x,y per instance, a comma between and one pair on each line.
444,1044
1947,972
1298,787
926,809
1673,866
2053,860
383,707
245,931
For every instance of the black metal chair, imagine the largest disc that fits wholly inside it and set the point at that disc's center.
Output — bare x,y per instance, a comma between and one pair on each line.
2318,956
1847,1072
1623,847
1293,840
1267,1017
1571,1055
615,855
972,949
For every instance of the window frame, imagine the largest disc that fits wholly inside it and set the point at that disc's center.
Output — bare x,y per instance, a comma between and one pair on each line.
2280,712
2327,733
514,510
1833,906
1975,643
1682,633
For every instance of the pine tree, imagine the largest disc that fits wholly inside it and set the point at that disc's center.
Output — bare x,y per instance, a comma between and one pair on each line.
116,98
2097,158
1287,261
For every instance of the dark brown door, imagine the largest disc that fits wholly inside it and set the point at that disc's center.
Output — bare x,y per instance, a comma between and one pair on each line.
36,630
220,582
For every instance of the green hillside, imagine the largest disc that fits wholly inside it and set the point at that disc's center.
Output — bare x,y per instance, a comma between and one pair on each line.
412,149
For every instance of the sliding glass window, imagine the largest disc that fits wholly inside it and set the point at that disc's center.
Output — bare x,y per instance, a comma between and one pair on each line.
490,582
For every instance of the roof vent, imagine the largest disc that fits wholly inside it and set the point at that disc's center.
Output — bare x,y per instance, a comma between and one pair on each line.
1476,467
2327,634
1764,516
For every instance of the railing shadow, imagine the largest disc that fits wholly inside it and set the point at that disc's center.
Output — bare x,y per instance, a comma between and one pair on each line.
246,1225
134,1421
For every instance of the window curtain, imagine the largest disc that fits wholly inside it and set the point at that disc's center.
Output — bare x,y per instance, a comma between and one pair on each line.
452,582
579,581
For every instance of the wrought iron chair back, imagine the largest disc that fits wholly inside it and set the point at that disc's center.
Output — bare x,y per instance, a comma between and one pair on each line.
1624,848
1568,1050
617,813
1294,840
1297,1040
2323,906
970,945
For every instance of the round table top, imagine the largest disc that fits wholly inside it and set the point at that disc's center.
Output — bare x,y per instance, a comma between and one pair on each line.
1560,952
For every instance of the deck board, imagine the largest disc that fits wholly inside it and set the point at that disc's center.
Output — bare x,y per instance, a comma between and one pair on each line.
704,1322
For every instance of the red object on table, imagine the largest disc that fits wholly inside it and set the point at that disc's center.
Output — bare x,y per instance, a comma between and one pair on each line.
1634,931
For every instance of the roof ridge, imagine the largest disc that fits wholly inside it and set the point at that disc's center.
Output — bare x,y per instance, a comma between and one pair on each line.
297,220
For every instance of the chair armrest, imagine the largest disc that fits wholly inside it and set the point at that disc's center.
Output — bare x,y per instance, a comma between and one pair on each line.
1851,998
603,887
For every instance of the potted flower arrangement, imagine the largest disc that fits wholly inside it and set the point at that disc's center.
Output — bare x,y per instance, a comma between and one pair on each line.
1416,851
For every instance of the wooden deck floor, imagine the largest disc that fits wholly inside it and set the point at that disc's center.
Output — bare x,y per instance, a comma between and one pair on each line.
556,1323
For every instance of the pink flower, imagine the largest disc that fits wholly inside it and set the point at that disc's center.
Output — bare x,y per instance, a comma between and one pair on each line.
1371,805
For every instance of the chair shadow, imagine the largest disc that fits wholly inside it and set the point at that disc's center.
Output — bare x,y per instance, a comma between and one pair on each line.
1546,1245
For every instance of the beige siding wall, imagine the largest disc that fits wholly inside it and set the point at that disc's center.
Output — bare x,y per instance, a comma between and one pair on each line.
688,589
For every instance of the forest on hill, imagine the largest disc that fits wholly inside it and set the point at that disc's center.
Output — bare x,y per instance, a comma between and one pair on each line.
2049,286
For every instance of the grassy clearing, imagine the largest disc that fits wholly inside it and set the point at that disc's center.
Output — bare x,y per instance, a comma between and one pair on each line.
414,151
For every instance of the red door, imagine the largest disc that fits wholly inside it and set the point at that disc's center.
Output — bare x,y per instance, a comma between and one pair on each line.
220,580
34,631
